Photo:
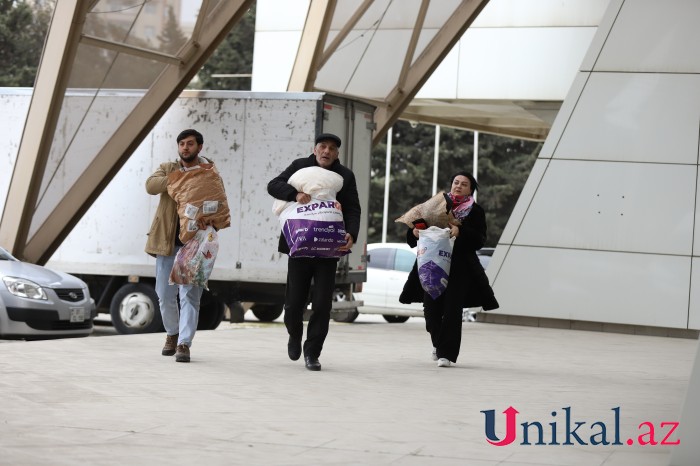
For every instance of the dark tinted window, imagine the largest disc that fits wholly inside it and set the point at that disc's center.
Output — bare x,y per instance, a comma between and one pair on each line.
381,258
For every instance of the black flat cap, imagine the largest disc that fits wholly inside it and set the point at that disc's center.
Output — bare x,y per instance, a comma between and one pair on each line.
328,137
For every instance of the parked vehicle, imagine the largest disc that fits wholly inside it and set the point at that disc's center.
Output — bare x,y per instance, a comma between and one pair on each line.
38,303
387,270
251,137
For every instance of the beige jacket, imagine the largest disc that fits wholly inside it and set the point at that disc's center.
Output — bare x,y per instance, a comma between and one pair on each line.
161,236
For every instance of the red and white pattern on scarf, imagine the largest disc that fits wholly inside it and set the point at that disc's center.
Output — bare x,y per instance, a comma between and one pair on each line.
461,205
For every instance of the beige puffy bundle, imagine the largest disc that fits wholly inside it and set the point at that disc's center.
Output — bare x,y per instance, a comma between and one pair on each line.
436,211
317,182
199,193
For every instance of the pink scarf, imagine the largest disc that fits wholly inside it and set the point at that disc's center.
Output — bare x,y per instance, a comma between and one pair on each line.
461,205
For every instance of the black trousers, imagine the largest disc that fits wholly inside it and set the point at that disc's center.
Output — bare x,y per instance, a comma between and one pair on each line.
443,320
300,272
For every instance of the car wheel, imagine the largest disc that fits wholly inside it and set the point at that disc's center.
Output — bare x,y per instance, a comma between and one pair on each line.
211,312
134,309
395,319
343,315
346,316
267,312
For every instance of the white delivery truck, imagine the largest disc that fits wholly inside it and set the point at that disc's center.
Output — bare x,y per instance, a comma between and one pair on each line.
251,137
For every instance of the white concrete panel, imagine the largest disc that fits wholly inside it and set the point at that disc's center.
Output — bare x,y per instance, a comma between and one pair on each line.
520,63
496,262
649,35
604,26
520,209
635,117
549,13
630,207
15,106
694,307
696,229
273,60
565,112
280,15
640,289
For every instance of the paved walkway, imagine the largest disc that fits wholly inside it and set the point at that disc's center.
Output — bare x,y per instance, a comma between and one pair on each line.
378,400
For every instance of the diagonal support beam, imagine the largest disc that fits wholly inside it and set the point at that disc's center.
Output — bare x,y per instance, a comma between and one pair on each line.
313,39
438,48
128,136
52,78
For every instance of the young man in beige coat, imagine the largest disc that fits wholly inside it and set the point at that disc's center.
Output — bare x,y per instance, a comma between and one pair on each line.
163,243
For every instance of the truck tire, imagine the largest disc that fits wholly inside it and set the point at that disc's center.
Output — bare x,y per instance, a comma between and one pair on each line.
395,319
134,309
267,312
211,312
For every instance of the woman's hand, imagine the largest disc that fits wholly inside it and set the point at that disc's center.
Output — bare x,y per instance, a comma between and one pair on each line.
415,232
454,230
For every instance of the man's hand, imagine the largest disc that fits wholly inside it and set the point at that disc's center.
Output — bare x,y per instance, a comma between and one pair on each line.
203,222
303,198
348,238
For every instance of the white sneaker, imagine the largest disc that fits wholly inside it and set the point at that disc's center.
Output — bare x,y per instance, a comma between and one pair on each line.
433,356
443,362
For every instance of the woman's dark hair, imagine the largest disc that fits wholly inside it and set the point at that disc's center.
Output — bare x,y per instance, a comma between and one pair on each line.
469,176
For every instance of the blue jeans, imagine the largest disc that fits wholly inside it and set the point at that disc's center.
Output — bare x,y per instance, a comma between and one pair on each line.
184,324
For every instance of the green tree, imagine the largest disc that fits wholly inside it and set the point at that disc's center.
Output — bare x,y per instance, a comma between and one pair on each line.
23,27
171,37
233,56
504,165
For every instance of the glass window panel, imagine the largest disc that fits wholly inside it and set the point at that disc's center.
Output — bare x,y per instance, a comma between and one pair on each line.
404,260
382,258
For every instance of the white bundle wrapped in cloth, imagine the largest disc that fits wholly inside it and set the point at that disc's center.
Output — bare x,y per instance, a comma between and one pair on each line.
314,229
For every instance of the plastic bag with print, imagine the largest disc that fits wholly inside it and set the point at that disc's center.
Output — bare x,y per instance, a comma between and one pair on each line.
315,229
434,259
195,260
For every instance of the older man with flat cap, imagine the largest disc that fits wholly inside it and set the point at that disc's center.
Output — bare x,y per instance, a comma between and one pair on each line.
301,270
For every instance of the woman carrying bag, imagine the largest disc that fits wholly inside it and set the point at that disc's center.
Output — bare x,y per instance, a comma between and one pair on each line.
467,285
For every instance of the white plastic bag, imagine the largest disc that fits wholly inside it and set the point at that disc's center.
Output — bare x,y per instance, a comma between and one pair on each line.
195,260
314,229
434,259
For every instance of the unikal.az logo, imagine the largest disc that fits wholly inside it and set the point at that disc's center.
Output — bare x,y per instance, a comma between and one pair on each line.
574,432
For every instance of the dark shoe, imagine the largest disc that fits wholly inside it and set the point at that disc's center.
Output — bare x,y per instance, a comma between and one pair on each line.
312,363
182,354
170,345
294,348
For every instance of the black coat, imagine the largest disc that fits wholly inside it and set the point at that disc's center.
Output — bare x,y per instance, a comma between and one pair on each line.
467,276
279,188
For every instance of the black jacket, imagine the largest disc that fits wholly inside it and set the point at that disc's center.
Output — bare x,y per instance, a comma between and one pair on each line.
467,276
347,196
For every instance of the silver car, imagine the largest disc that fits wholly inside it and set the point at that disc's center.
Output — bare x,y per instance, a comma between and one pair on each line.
39,303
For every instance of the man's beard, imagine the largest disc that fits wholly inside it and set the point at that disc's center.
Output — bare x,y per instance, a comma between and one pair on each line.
189,158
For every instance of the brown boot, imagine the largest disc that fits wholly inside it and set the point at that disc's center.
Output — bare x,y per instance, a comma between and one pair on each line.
170,345
182,354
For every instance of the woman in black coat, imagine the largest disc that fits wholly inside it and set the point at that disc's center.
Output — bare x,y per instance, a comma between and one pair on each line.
467,286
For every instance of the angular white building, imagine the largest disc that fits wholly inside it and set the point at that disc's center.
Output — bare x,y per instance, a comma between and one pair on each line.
605,228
